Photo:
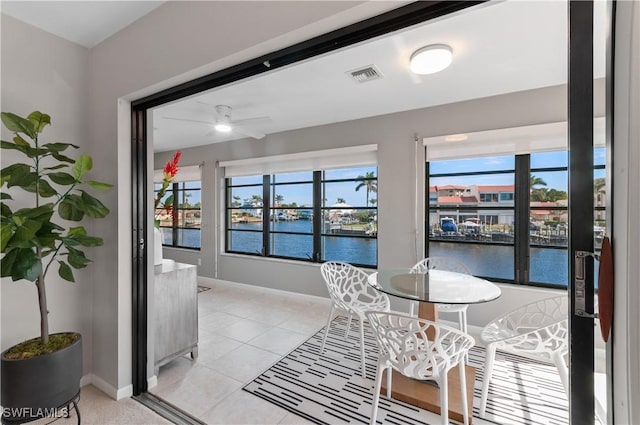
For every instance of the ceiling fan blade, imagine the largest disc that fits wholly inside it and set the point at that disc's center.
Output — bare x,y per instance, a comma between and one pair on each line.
189,120
252,120
248,132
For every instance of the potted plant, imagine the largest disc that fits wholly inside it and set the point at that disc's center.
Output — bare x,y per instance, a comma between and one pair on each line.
43,374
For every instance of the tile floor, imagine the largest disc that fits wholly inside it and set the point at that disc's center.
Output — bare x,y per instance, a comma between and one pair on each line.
243,331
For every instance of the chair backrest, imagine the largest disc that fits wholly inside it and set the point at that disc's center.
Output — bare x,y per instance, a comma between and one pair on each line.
347,284
440,263
539,328
403,342
535,315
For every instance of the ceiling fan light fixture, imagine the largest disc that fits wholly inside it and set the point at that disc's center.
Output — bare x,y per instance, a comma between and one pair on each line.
431,59
222,127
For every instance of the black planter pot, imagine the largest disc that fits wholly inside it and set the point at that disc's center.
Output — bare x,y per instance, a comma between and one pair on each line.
34,388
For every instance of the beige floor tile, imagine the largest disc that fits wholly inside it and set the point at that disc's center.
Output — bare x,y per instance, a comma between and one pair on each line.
279,341
243,330
243,408
217,320
214,346
199,390
245,363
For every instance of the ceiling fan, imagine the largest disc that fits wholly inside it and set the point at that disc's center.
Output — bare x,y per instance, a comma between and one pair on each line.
224,124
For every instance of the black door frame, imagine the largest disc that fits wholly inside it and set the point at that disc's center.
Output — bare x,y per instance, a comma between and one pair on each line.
580,119
405,16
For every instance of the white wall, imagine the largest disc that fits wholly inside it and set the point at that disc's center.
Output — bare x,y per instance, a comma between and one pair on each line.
46,73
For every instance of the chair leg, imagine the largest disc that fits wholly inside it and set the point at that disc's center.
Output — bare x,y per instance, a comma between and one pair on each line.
463,387
463,327
490,355
364,374
464,321
389,375
558,360
444,399
461,321
326,329
346,334
376,393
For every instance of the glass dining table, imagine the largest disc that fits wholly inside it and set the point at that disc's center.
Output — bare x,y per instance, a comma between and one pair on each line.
429,289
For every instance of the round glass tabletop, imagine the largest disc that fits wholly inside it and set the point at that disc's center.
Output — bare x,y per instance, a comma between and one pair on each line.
435,286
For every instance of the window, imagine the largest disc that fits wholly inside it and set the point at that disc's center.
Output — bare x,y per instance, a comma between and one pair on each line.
460,225
180,227
309,216
485,237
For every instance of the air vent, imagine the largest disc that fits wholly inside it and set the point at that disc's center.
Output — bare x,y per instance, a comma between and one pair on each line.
363,75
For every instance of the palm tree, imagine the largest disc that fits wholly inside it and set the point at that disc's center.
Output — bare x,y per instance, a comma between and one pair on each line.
536,181
341,201
367,182
278,199
536,193
256,199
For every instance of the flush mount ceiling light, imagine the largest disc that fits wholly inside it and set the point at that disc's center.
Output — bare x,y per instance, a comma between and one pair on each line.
431,59
456,138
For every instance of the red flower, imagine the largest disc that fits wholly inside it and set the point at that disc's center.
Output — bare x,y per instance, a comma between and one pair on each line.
169,172
171,169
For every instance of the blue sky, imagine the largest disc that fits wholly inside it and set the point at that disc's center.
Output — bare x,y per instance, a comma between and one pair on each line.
302,193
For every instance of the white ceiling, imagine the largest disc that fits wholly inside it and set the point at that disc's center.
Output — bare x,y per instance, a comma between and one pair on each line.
498,48
83,22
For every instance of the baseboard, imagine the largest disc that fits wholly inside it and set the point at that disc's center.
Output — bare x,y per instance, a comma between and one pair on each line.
152,381
85,380
209,281
108,389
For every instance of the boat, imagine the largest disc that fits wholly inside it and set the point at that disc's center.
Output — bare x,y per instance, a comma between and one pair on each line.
448,225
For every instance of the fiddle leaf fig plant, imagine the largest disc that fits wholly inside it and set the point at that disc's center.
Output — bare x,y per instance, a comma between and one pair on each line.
36,237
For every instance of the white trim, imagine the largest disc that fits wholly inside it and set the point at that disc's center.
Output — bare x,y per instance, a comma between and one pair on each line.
208,281
85,380
152,381
108,389
303,161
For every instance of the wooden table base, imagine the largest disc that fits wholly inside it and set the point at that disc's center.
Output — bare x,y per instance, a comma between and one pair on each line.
426,394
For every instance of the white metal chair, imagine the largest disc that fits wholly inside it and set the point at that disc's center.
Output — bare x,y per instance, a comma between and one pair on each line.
538,330
404,346
450,265
350,292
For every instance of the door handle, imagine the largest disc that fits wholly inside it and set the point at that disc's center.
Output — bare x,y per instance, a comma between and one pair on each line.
605,288
580,284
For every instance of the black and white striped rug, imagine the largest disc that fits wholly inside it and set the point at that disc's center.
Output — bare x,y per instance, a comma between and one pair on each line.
330,389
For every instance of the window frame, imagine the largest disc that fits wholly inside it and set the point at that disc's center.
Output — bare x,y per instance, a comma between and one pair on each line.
175,228
269,189
522,212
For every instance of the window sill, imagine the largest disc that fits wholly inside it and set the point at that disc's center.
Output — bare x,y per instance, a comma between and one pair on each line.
181,248
280,260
